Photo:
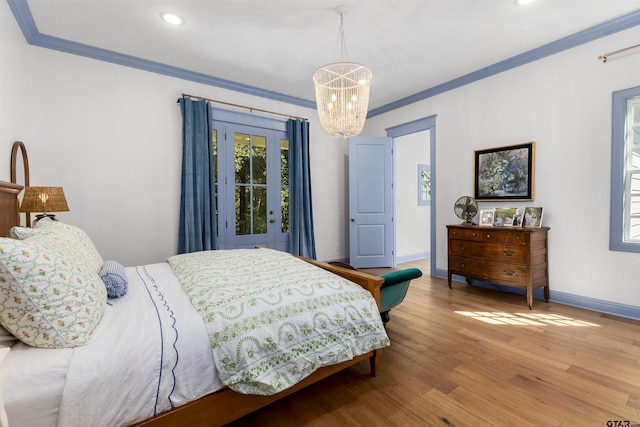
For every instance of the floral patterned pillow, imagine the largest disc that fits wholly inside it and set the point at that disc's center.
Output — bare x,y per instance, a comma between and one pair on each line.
47,297
81,247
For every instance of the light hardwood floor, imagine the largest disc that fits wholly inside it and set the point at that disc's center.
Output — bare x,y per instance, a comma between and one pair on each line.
478,357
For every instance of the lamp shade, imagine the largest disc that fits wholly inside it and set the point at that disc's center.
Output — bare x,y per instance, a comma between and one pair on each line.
342,97
44,199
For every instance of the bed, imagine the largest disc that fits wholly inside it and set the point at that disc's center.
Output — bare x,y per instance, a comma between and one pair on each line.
178,347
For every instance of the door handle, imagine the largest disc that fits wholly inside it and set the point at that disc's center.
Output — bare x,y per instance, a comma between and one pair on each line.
353,220
272,220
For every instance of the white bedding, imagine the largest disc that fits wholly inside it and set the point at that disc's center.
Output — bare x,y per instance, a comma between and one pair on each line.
152,351
149,353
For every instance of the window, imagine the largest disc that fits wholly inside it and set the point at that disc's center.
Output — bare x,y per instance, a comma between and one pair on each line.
625,171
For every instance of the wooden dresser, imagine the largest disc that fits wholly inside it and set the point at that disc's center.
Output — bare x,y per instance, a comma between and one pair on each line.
512,256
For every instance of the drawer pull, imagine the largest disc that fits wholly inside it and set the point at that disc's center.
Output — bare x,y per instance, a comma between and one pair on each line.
488,236
509,273
509,253
460,265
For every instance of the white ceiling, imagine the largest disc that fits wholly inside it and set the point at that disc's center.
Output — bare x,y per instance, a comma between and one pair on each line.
409,45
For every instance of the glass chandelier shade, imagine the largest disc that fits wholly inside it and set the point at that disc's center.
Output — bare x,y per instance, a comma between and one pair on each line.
342,97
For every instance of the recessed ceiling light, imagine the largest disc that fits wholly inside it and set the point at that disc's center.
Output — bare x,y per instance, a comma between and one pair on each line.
172,18
523,2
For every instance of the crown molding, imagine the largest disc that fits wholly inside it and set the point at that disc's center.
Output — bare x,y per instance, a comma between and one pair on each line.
24,18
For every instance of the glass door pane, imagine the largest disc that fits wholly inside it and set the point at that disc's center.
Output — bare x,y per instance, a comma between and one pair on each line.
250,160
632,173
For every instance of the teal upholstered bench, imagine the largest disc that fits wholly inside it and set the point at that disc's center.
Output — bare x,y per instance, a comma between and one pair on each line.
394,288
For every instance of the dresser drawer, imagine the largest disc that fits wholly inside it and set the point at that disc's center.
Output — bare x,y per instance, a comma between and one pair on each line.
489,235
499,252
508,274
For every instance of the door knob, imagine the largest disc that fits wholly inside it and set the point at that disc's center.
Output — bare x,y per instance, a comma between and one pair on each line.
272,220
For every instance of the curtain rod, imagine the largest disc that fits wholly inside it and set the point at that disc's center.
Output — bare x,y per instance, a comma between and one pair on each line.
604,56
251,109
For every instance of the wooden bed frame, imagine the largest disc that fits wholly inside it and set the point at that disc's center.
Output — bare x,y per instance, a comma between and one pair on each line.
224,406
9,206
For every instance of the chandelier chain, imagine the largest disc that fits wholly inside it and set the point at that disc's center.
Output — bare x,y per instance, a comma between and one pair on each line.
343,41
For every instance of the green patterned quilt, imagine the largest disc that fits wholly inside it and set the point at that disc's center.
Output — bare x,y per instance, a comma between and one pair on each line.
274,319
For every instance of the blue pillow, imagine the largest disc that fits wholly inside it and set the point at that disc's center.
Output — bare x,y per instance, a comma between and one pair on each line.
114,278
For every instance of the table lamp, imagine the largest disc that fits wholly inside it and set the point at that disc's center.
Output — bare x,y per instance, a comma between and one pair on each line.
45,200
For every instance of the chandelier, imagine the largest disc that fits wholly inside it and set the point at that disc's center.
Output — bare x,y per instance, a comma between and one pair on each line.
342,94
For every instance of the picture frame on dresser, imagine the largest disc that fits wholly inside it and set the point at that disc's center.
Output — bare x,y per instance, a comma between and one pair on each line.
504,217
532,217
517,219
505,173
486,217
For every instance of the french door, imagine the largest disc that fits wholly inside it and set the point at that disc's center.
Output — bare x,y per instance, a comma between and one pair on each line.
252,187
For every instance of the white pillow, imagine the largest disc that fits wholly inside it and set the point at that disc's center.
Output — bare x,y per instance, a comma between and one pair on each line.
50,297
4,422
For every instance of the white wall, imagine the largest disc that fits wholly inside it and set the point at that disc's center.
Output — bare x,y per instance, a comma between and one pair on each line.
110,135
13,82
563,103
412,220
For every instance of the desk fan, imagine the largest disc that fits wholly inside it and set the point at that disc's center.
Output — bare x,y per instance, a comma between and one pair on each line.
466,208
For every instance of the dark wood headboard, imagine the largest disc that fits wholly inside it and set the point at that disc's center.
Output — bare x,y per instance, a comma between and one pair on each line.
9,206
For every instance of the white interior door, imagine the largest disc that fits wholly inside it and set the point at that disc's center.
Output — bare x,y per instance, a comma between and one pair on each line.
371,231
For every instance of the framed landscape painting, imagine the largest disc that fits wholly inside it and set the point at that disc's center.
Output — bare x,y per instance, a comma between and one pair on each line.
504,173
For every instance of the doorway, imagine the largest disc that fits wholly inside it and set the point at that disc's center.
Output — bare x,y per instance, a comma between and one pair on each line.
413,197
425,131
